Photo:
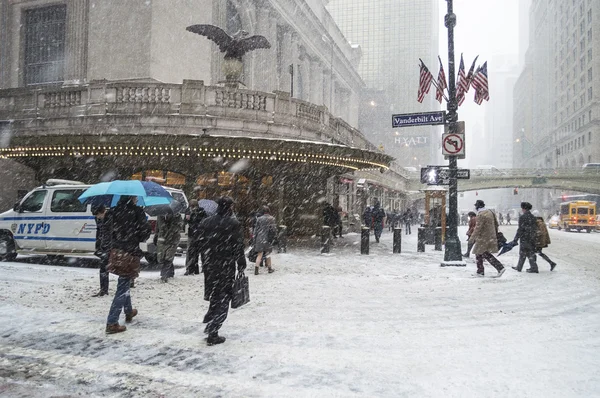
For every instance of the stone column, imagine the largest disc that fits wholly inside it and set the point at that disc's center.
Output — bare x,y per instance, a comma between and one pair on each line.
286,61
5,47
316,92
77,40
260,66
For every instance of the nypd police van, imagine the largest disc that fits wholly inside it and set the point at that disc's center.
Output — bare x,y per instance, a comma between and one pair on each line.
51,220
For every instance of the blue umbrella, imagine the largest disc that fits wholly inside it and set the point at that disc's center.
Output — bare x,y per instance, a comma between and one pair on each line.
148,193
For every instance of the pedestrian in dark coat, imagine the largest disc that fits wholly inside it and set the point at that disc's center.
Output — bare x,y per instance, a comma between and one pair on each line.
126,227
340,223
485,239
265,232
102,249
330,218
368,217
527,234
408,220
378,215
168,234
195,217
472,223
508,219
222,248
542,241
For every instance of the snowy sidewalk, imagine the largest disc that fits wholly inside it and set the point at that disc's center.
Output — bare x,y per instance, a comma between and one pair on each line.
341,325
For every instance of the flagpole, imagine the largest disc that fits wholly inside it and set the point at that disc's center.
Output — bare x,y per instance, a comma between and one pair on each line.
453,251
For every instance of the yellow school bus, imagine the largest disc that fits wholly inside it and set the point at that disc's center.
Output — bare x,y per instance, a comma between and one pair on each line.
579,215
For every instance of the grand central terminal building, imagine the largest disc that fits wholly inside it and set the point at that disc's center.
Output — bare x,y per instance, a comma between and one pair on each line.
95,90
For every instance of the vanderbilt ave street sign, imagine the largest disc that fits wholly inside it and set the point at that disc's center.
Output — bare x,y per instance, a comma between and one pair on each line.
419,119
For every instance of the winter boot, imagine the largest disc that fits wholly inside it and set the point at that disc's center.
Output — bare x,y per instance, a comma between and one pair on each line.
516,269
255,270
129,317
501,272
271,270
532,270
552,266
115,328
100,294
215,339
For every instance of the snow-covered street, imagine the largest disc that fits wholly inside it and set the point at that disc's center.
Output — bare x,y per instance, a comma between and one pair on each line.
341,325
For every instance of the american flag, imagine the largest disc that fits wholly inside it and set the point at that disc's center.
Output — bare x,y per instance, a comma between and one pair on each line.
480,83
470,75
441,86
424,82
462,82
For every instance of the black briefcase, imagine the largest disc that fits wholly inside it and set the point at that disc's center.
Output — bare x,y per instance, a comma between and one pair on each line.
241,291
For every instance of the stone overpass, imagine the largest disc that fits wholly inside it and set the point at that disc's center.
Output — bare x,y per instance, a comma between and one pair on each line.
562,179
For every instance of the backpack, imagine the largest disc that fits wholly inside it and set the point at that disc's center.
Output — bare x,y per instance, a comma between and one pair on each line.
272,233
542,237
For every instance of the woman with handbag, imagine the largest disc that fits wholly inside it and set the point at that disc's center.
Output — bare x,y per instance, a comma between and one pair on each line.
126,226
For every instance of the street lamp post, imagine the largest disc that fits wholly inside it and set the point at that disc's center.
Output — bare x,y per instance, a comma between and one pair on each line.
453,252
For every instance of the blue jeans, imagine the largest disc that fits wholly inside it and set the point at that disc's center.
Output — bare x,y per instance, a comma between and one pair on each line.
122,300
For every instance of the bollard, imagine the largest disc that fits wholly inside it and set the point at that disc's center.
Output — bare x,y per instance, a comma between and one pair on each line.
421,240
364,240
282,239
397,240
438,239
325,239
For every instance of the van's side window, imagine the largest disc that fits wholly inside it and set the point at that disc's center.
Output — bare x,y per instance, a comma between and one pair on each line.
35,202
66,201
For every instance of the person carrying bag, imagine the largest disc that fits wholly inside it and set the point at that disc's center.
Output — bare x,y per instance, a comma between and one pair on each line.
126,228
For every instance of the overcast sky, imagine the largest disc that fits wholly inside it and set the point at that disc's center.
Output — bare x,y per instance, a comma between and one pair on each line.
485,28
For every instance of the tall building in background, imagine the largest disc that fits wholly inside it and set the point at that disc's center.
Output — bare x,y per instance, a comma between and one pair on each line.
523,30
499,123
559,122
393,35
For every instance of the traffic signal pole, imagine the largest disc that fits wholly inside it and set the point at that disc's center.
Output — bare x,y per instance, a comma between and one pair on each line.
453,251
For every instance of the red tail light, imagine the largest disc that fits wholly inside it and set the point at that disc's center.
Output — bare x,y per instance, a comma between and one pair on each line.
153,225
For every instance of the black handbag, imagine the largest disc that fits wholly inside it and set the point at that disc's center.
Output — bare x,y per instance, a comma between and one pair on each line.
252,255
241,291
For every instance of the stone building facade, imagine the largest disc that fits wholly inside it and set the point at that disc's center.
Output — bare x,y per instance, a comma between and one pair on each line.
98,89
557,97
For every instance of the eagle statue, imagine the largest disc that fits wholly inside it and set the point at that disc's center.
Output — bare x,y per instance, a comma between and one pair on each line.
234,47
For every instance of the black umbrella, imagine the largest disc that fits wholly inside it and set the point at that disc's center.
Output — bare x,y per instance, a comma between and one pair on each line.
175,207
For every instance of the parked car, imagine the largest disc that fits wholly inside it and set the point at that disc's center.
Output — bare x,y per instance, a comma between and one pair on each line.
51,220
554,222
486,169
593,167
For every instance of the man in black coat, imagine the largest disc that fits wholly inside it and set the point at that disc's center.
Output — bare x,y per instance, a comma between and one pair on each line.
196,215
222,248
330,218
527,234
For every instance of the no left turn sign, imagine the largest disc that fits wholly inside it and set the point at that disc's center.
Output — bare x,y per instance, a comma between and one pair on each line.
453,144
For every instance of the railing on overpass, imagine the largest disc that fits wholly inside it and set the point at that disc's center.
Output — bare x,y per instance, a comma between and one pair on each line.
564,179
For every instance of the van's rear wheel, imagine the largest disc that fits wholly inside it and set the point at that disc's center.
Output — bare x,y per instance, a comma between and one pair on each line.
151,258
7,248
